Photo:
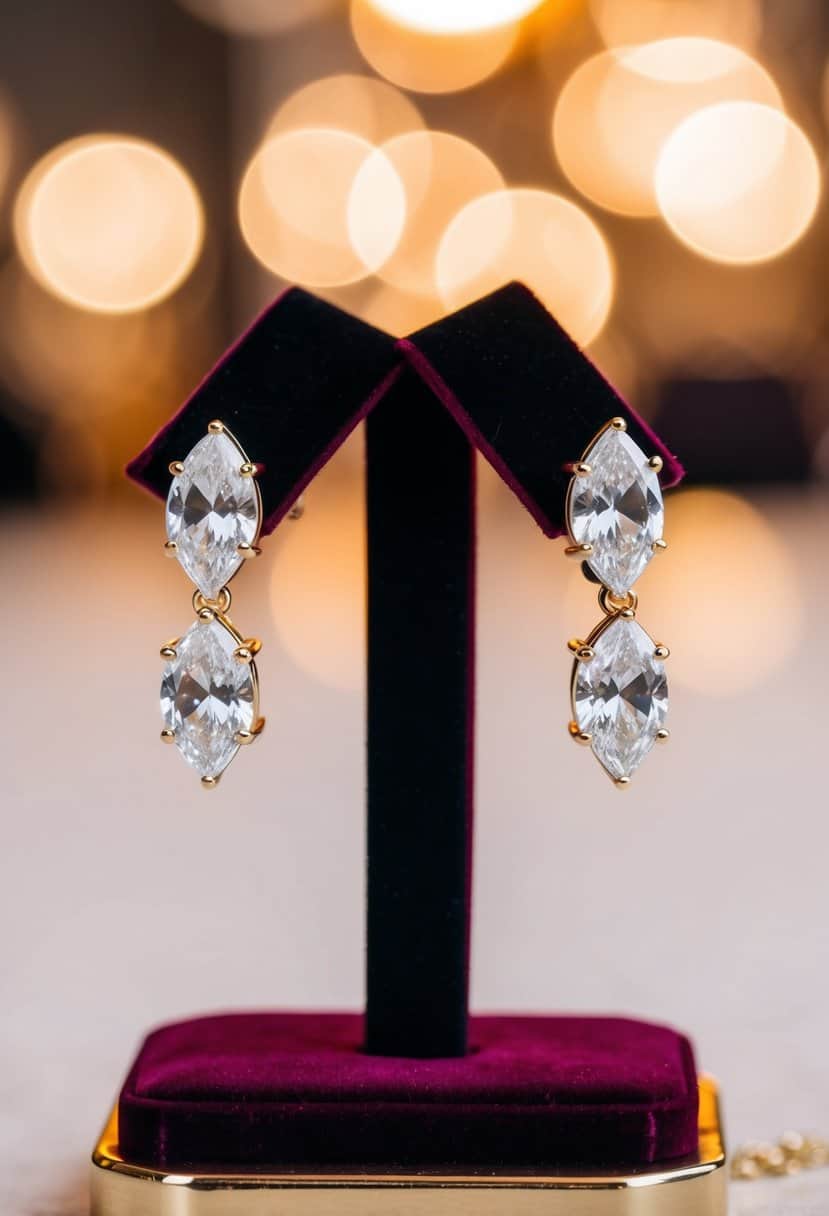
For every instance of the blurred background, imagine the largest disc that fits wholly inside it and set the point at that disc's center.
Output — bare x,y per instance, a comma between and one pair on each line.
655,171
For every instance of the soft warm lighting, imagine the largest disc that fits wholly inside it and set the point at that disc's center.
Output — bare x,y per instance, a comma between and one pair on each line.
455,16
428,62
738,182
440,174
109,223
318,582
627,22
362,105
398,312
251,18
705,601
295,211
616,111
6,144
542,239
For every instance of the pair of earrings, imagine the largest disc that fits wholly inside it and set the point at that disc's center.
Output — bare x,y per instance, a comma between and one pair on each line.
614,511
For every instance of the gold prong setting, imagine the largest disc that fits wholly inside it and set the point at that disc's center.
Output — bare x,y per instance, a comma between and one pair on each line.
618,688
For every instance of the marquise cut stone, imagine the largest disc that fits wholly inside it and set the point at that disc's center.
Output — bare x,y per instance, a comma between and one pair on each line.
212,509
207,695
620,696
617,508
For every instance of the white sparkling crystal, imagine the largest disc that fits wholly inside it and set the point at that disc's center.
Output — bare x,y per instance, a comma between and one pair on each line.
212,509
206,696
621,696
617,508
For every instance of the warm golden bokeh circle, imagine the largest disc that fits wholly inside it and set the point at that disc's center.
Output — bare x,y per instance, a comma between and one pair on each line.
717,597
616,111
543,240
440,173
628,22
738,182
363,105
295,207
455,16
426,62
318,580
109,223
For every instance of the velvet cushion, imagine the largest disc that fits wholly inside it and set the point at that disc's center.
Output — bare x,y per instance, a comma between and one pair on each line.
295,1091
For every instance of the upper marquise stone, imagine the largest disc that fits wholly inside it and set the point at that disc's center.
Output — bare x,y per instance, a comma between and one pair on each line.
212,508
617,509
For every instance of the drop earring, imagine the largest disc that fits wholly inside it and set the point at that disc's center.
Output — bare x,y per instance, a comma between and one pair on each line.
615,516
210,687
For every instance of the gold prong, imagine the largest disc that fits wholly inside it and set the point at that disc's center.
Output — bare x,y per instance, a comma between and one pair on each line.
246,550
580,551
176,467
575,644
168,650
579,468
579,735
206,614
168,736
245,737
663,735
582,651
170,548
216,427
619,424
659,546
661,652
628,614
209,783
655,464
621,783
247,649
248,469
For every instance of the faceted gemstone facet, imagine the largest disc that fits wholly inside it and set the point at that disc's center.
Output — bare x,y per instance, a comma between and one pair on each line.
616,508
620,696
207,694
212,509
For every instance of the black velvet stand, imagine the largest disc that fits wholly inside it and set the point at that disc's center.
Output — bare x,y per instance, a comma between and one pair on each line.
405,1087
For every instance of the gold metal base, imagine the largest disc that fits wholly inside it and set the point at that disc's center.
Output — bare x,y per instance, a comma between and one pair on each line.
695,1186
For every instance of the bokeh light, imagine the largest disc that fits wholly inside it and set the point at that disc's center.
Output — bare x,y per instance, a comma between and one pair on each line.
363,105
455,16
318,579
252,18
542,239
440,173
723,642
428,62
628,22
295,207
616,111
109,223
738,182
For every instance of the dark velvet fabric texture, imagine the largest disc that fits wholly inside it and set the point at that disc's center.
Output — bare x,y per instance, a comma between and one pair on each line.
294,1091
525,395
291,389
421,625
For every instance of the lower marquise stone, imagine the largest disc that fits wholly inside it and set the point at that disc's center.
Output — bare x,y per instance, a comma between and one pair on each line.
207,696
620,696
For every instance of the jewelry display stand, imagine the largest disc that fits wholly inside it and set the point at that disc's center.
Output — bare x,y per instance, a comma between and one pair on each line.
414,1107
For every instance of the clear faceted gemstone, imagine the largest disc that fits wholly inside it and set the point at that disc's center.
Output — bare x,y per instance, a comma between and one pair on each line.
206,696
211,510
621,696
617,508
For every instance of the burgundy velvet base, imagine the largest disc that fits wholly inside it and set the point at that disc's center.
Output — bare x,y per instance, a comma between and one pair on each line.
295,1091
